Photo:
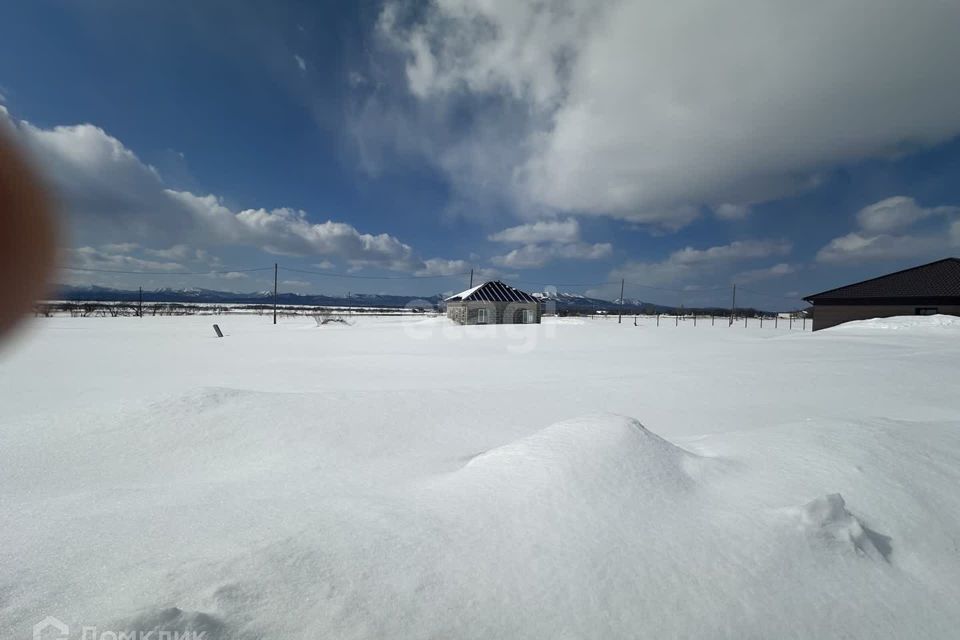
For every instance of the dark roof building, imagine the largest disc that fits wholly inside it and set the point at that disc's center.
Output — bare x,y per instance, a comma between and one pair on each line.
493,303
925,290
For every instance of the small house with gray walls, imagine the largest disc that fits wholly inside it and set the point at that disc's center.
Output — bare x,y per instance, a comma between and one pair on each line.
919,291
493,303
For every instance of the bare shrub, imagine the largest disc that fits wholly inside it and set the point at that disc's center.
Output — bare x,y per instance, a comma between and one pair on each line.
322,317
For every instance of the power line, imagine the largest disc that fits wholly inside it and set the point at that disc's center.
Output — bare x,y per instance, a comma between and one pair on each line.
771,295
165,273
628,283
332,274
564,284
222,271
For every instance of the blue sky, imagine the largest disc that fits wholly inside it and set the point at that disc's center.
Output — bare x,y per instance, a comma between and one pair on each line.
788,149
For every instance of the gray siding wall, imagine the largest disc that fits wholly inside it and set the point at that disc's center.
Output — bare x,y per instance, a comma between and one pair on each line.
497,312
825,316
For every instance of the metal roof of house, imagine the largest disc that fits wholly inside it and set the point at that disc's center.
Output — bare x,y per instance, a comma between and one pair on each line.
493,291
940,279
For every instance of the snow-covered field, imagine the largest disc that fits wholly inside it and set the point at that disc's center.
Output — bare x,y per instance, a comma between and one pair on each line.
405,478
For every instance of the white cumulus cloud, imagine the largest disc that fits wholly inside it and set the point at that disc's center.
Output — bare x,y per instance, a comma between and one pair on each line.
887,231
540,231
689,264
647,110
767,273
112,197
728,211
538,255
898,212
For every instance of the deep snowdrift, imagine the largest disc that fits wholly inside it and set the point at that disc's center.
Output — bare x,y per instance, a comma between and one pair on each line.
936,323
303,482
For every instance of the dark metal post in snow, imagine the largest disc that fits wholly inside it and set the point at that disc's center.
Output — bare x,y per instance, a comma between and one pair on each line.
274,293
620,308
140,304
733,305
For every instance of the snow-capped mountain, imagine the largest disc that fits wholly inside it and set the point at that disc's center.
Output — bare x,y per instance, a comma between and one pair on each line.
581,303
167,294
561,302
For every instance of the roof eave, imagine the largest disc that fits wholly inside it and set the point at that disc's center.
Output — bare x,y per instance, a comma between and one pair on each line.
811,297
885,300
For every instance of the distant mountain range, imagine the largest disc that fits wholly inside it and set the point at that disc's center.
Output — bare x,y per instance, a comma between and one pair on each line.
578,302
107,294
570,302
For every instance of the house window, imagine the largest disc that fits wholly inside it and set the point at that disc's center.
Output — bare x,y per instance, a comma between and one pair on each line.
927,311
481,316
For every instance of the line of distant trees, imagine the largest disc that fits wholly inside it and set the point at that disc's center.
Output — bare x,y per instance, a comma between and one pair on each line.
91,309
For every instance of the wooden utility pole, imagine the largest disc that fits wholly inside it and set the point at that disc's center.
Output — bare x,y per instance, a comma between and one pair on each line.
471,279
620,308
274,293
733,305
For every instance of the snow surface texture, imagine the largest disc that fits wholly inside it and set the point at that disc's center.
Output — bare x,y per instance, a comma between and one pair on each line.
406,478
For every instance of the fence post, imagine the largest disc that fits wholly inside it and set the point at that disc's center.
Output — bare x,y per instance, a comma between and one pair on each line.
791,321
694,319
775,319
744,321
804,323
733,305
658,319
620,306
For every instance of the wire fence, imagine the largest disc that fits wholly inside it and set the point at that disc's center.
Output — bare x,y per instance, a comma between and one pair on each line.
787,321
625,297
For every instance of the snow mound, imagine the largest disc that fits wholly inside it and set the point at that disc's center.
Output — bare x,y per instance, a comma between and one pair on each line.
605,453
899,323
828,518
